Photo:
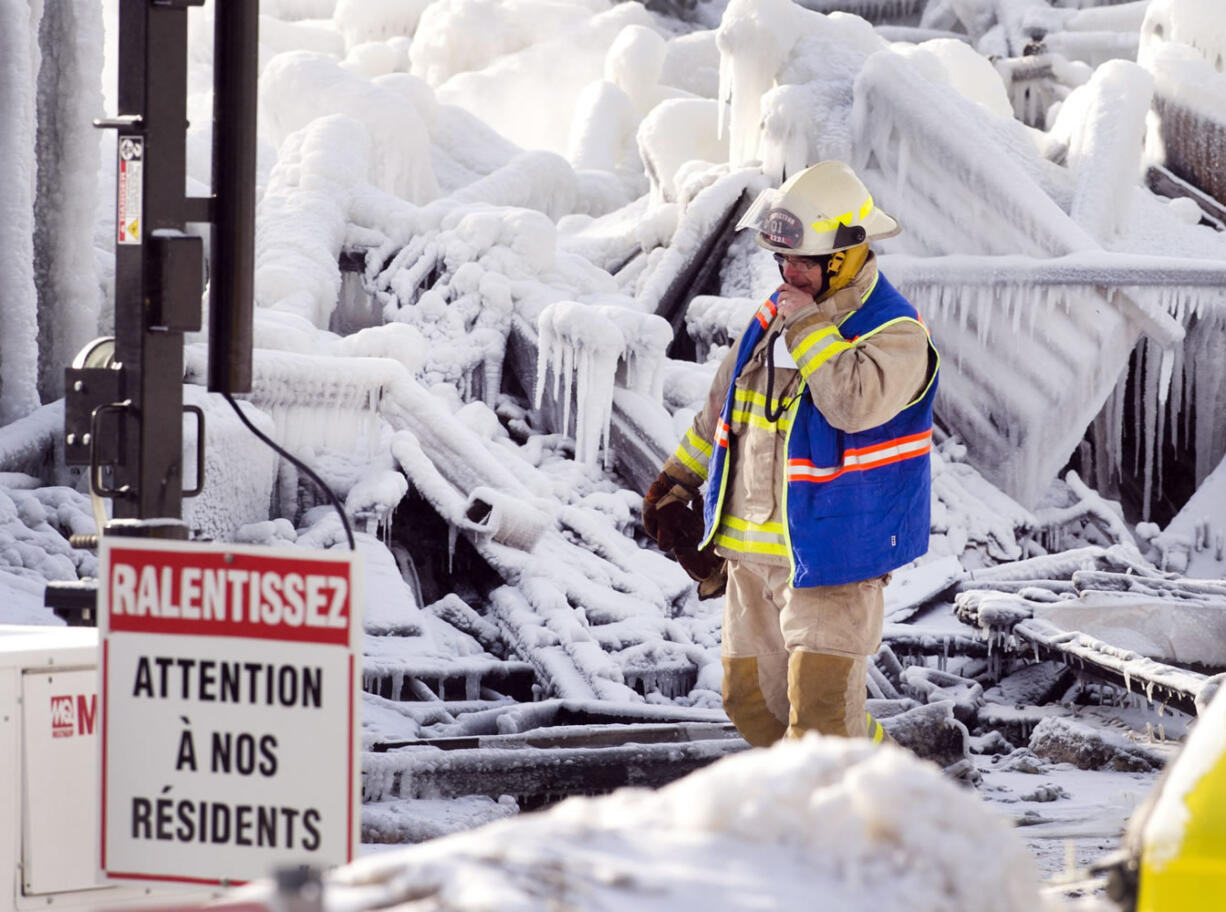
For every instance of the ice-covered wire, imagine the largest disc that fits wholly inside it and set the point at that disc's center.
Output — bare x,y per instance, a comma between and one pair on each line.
301,466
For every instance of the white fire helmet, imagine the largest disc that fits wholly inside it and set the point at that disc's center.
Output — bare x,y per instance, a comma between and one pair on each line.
819,210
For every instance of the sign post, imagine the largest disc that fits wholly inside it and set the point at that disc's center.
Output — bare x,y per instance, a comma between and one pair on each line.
230,682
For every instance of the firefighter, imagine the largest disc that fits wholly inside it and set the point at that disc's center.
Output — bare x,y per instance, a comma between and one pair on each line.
813,445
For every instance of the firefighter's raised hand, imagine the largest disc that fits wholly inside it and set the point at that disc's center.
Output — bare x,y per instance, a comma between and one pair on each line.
791,299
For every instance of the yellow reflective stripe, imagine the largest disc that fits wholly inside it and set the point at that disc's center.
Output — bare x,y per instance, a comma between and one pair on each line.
747,537
875,731
759,421
683,457
812,339
815,359
832,224
702,446
774,549
744,525
694,453
755,398
754,412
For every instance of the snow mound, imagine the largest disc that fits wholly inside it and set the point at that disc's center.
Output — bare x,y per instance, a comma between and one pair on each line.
860,826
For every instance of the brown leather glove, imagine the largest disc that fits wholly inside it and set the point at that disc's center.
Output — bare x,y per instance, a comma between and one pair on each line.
671,514
705,566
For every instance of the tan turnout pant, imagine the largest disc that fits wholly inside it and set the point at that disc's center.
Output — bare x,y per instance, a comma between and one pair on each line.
795,660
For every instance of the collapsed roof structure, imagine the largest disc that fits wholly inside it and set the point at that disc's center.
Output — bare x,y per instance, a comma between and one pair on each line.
486,329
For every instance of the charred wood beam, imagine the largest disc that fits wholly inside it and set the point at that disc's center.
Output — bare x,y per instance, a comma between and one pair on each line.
1193,144
1165,183
698,274
1086,580
1160,684
638,756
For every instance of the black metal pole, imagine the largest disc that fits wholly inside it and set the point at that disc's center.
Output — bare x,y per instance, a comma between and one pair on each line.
231,297
152,85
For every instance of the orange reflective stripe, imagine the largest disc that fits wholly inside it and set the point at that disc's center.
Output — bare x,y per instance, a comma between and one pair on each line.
721,435
862,458
766,313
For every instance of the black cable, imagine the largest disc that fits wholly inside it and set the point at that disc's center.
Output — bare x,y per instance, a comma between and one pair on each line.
302,467
772,415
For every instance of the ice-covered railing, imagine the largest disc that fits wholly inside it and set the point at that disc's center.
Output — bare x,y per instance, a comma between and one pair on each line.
972,302
961,179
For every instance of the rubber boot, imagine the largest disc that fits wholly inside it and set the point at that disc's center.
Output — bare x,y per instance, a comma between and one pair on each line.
746,705
827,693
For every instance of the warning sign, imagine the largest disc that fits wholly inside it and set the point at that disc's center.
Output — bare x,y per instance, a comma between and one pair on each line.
230,680
131,186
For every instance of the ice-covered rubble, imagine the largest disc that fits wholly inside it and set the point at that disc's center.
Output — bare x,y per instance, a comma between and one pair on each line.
550,180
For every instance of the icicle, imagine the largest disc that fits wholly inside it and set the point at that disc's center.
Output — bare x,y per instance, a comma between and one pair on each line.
452,531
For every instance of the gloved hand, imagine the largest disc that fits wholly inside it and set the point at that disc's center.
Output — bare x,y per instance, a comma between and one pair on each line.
670,514
705,566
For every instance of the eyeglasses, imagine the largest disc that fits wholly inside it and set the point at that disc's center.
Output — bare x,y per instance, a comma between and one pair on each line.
804,262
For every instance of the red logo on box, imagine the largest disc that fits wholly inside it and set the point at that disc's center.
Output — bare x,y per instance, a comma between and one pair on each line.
63,719
73,715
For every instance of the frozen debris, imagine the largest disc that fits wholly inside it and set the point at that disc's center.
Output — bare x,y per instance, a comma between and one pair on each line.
1015,723
670,271
1158,682
931,685
1193,542
971,519
1103,125
990,743
913,587
1021,760
1068,741
1031,685
880,686
240,470
271,532
1046,792
391,606
28,443
887,663
414,820
457,613
570,765
35,525
931,731
1089,516
580,346
675,138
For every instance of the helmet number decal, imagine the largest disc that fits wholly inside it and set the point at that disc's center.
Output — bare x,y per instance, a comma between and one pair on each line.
782,228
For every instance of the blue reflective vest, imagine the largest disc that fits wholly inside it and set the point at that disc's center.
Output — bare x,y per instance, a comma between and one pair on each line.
856,505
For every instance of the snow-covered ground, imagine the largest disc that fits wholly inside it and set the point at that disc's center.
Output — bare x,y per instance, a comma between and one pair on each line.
525,189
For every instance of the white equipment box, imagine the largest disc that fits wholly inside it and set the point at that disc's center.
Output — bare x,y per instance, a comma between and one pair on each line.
49,775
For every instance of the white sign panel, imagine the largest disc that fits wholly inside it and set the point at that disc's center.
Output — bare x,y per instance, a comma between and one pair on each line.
230,681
